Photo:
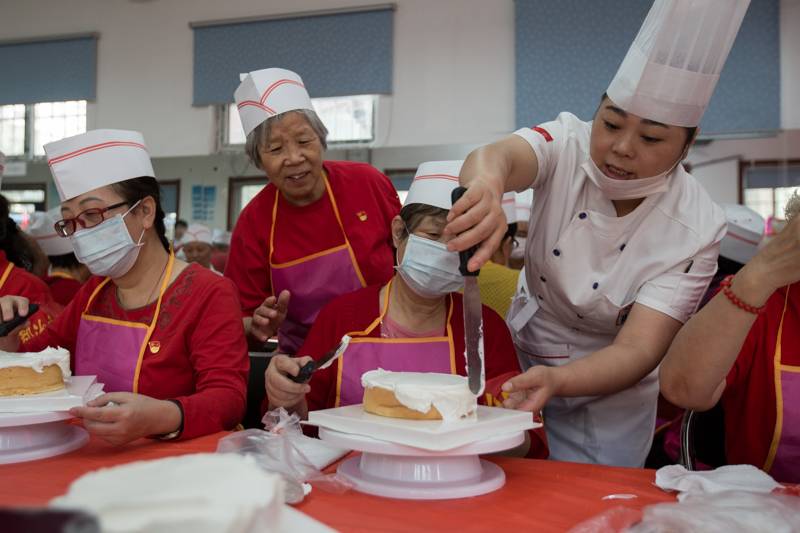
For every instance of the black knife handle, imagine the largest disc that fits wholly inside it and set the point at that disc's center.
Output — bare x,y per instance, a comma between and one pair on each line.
305,372
11,325
466,255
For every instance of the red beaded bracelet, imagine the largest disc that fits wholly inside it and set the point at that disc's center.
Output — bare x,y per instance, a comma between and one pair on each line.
726,289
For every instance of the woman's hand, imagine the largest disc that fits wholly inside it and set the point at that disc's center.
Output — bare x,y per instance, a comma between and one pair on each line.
269,316
282,391
774,266
122,417
478,219
10,306
531,391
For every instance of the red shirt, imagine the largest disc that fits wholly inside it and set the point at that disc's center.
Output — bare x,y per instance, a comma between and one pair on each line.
20,282
202,361
367,203
63,287
749,397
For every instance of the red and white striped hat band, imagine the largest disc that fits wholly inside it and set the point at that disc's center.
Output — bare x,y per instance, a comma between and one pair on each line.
95,159
434,183
197,233
262,94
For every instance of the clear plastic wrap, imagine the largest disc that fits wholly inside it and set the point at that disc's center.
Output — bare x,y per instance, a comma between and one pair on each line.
722,512
282,448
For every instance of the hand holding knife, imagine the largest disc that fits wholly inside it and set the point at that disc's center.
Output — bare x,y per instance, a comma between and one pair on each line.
473,317
323,362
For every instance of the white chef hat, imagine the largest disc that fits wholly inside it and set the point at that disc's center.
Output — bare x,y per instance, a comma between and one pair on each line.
523,205
265,93
219,236
197,233
434,183
97,158
41,229
509,203
745,230
673,65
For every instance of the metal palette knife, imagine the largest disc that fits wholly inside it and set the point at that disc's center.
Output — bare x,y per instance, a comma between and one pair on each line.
473,319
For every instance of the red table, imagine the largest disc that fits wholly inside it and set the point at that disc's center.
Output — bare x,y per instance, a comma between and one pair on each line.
540,495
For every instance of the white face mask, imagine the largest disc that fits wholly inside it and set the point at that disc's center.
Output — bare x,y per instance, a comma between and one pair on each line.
615,189
429,269
107,249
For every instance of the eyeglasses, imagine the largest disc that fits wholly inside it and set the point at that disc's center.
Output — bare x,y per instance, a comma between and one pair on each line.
85,219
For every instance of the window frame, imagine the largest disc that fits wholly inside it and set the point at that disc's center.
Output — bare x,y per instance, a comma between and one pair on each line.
223,111
233,183
30,129
775,163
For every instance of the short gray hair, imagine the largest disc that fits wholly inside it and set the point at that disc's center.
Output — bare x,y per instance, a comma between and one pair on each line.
792,206
257,138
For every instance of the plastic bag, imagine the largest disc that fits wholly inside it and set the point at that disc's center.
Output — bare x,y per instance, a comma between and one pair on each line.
282,448
722,512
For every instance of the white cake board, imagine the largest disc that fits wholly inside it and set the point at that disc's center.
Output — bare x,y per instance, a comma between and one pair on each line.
398,471
78,391
431,435
30,436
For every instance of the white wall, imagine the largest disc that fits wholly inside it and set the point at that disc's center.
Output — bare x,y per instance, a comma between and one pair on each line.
453,81
453,65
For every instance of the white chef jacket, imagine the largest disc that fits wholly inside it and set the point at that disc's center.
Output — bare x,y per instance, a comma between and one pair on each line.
585,267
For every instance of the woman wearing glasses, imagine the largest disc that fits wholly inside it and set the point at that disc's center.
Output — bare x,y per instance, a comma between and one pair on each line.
163,336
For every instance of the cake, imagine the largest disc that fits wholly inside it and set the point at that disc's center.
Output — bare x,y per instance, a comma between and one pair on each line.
417,395
196,493
33,373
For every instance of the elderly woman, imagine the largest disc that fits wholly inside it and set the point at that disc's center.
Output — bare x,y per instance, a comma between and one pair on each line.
163,336
743,347
624,241
198,245
318,230
415,322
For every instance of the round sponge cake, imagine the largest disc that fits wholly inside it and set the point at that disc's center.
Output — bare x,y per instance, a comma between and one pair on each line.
417,395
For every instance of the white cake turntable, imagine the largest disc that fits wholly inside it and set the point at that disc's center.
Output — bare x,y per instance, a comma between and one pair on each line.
422,459
33,426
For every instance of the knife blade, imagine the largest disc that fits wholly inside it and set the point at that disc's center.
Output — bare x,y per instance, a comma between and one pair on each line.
473,318
323,362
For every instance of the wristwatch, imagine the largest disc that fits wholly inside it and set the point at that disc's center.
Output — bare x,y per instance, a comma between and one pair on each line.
175,434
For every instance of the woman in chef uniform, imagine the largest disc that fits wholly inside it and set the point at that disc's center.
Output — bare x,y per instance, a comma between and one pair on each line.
414,323
623,242
318,230
164,337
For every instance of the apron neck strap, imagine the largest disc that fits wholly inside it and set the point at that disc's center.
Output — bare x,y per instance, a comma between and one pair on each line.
385,309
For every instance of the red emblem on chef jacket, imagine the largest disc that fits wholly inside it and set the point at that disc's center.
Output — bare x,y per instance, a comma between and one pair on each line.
362,216
155,346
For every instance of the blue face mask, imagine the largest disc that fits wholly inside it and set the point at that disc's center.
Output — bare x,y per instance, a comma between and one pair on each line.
107,249
429,269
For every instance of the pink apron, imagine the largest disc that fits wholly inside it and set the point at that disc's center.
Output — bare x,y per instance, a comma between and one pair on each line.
113,349
313,281
429,354
783,461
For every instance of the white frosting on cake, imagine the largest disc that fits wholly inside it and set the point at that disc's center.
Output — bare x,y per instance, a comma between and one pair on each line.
197,493
38,360
449,393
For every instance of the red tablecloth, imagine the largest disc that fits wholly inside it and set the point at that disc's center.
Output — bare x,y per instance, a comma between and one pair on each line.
538,495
